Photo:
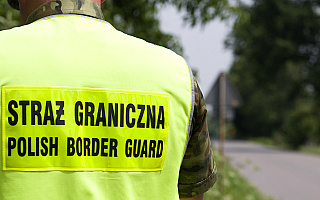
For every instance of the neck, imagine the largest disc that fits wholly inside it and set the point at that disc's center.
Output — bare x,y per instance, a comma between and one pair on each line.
28,6
98,2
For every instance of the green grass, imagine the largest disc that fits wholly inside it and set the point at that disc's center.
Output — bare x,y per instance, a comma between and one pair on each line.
310,150
315,150
234,186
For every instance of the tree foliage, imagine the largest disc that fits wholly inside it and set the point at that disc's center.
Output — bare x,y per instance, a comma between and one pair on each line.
139,18
8,17
276,48
202,11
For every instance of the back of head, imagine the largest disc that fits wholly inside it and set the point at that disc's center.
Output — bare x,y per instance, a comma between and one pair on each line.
27,7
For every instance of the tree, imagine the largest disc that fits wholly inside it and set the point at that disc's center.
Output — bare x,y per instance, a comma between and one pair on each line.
8,17
139,17
274,44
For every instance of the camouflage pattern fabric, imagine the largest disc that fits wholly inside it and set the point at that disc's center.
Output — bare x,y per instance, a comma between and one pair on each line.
14,4
198,171
81,7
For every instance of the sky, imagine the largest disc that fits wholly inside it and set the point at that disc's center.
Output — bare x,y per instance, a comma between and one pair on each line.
203,46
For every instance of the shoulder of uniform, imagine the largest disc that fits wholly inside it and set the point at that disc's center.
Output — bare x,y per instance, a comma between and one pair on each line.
6,35
150,47
14,32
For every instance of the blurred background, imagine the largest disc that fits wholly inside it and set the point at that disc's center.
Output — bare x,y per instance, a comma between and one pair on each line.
269,51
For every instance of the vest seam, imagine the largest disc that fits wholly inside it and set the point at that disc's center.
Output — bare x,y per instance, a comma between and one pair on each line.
75,15
192,108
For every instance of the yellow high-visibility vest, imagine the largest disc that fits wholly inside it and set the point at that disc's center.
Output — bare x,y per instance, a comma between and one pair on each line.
88,112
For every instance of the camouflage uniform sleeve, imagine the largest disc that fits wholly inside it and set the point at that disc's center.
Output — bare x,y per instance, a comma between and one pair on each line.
198,170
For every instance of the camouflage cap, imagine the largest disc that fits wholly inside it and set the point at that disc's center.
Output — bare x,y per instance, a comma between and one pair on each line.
14,4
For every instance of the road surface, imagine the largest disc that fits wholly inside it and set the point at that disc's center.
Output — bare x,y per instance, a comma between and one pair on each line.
282,175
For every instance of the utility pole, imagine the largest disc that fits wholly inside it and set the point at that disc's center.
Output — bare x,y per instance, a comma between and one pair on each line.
224,98
222,110
222,125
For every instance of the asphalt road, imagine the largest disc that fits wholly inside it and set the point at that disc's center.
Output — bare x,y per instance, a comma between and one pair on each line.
282,175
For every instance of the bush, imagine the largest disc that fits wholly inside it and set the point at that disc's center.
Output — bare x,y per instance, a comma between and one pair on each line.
301,124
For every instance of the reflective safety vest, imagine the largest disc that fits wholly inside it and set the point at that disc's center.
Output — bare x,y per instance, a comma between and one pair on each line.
89,112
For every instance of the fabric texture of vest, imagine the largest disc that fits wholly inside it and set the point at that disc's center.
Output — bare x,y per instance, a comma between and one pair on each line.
82,52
